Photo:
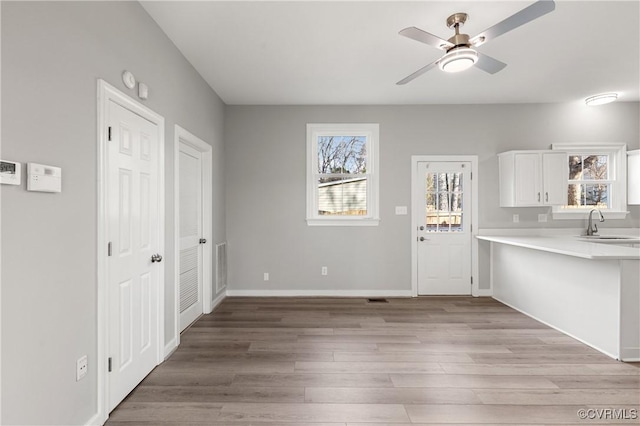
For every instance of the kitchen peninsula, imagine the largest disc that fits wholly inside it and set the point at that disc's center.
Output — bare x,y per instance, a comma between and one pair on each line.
587,290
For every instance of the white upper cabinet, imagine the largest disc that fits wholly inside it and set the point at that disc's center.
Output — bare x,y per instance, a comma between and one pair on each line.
555,178
633,177
533,178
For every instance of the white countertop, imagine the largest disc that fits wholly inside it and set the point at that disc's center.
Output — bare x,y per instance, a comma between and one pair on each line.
569,245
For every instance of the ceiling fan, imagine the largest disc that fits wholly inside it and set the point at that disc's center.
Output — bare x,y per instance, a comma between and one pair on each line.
460,48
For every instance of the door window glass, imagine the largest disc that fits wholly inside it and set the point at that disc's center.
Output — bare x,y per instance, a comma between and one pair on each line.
444,202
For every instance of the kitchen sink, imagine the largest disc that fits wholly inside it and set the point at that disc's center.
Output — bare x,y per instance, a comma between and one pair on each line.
610,239
607,237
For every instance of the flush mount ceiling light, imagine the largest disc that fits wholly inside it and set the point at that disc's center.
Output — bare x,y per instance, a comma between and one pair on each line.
601,99
457,60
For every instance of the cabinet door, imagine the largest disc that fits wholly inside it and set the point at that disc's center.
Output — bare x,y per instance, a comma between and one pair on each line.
633,177
555,175
527,180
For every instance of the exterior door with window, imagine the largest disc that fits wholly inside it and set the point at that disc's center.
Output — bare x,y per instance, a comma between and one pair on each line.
444,228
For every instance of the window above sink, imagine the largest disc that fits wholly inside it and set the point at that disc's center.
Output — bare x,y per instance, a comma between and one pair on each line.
597,179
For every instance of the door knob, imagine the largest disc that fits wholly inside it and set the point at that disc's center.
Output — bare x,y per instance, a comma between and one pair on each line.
203,240
156,258
424,239
421,228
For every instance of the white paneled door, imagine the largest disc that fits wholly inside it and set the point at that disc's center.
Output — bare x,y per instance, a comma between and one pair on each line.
443,227
190,234
133,262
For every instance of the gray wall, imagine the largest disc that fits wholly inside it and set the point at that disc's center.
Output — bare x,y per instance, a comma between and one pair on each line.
52,56
265,160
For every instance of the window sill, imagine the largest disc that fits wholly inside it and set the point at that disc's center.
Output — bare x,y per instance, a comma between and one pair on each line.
344,222
584,214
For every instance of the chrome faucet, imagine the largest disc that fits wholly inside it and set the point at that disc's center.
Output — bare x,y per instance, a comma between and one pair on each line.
592,229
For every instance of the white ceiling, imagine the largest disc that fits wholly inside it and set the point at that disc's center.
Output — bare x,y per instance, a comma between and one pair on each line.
350,53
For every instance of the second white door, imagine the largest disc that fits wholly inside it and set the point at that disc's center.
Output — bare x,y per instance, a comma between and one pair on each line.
191,235
444,228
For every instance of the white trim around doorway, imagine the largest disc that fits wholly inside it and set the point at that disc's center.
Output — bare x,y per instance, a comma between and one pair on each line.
473,159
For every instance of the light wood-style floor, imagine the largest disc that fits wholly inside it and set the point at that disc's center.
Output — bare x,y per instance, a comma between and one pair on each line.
333,361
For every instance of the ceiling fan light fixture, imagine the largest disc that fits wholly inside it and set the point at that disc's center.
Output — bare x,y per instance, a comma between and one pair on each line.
457,60
601,99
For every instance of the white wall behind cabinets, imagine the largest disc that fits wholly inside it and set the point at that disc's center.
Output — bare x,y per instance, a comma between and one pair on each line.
265,185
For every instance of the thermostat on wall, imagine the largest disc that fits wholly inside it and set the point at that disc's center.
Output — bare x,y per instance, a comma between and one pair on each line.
9,172
44,178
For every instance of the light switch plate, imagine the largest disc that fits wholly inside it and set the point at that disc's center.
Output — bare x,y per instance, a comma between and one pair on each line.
401,210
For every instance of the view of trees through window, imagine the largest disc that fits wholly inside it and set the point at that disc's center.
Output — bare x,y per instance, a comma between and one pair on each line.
341,155
342,179
444,202
589,181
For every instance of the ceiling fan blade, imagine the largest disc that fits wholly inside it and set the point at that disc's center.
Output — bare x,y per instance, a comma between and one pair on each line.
528,14
424,37
416,74
489,64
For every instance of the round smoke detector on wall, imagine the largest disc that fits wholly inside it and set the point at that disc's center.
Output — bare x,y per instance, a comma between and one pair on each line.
128,79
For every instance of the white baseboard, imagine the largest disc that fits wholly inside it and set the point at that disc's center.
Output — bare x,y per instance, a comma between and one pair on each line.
171,346
484,292
630,354
319,293
95,421
215,302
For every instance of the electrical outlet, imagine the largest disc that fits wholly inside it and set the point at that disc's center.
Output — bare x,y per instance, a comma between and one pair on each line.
81,368
516,218
542,217
266,276
324,271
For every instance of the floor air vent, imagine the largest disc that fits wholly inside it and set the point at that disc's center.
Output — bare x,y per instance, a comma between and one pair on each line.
377,301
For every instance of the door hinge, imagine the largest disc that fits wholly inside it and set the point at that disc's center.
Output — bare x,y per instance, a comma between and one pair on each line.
109,249
109,364
109,133
471,280
471,176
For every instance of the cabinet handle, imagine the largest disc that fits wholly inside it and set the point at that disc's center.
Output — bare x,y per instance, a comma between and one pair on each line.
538,197
546,197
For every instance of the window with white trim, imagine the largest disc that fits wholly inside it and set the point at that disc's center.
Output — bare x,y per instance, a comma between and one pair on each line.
342,174
597,180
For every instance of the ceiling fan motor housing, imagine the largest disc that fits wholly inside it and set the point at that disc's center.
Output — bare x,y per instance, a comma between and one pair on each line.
458,40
